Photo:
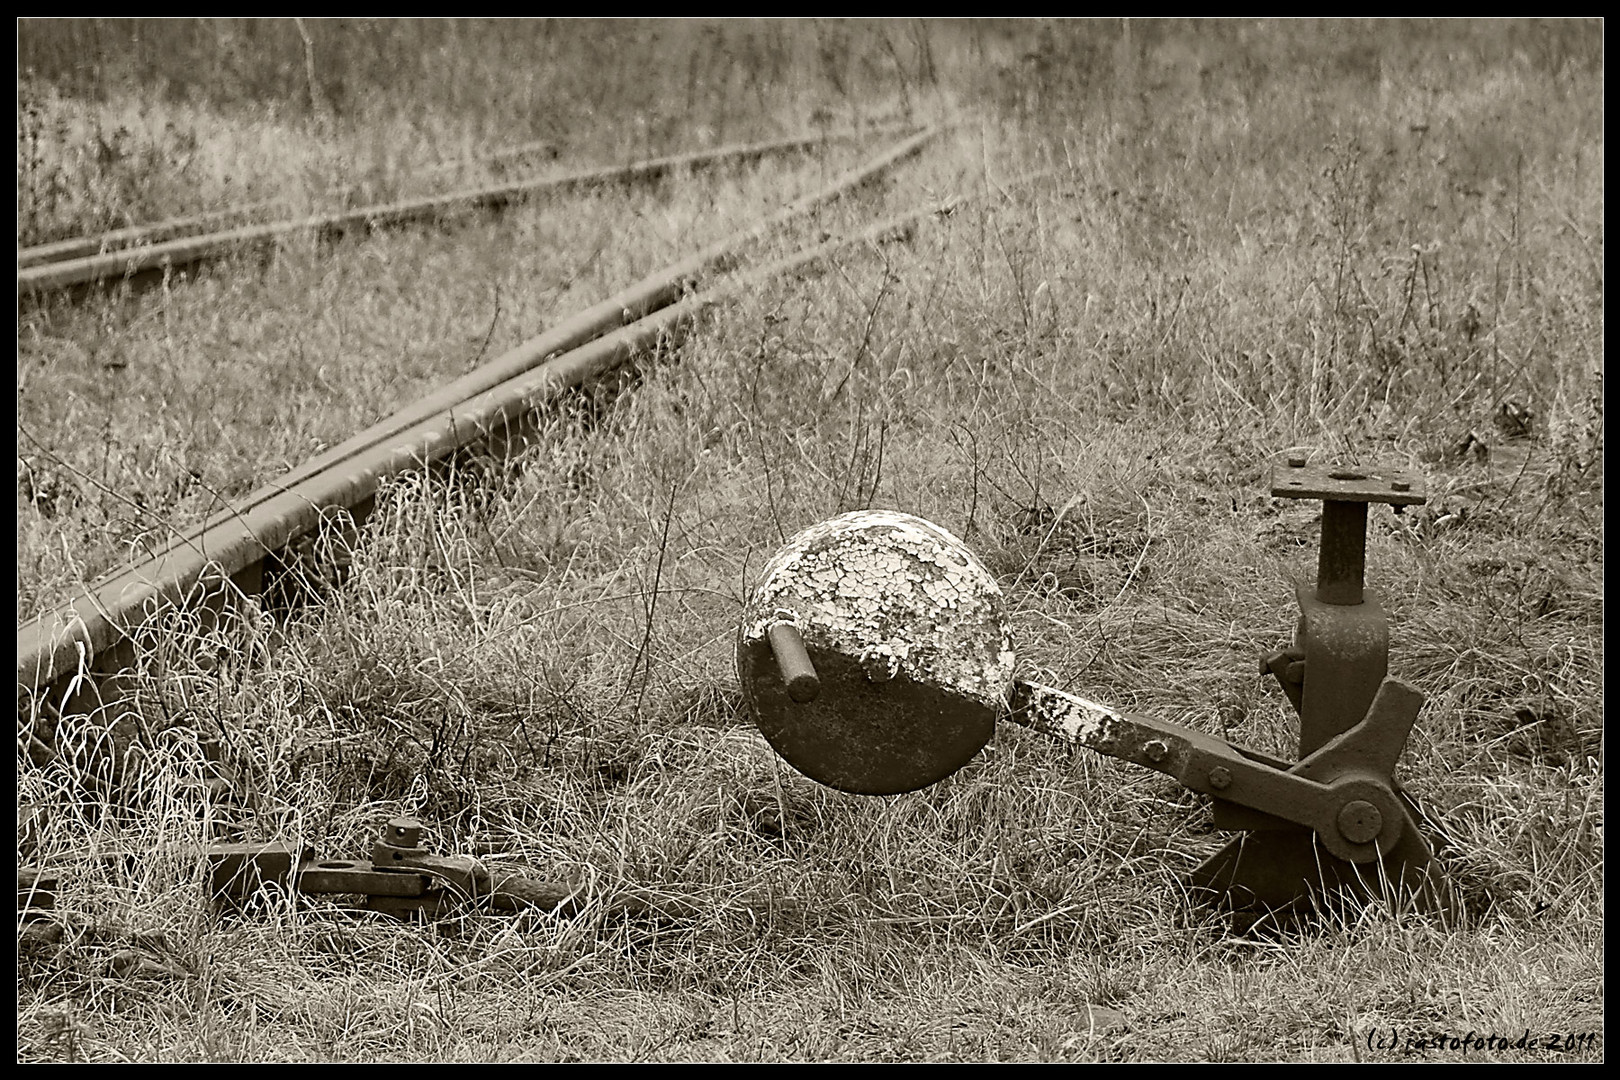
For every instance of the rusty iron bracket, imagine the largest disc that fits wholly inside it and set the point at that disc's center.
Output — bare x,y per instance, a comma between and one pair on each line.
1335,674
1343,634
867,649
1342,792
401,879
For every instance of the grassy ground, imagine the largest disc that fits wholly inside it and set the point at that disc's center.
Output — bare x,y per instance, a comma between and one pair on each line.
1360,242
140,418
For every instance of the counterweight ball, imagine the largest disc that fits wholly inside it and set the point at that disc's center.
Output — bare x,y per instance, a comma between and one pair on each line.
875,653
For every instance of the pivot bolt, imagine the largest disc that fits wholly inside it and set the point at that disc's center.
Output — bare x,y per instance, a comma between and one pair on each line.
401,842
1400,485
1220,778
1360,822
403,832
1155,750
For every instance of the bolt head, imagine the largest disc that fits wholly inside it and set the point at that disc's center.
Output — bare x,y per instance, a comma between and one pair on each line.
1156,750
1360,822
1220,778
1400,485
403,832
1296,461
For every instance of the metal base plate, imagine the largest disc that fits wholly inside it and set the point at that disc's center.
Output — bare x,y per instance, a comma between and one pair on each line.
1289,872
1340,483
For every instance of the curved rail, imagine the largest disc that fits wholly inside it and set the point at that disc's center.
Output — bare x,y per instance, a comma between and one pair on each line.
68,640
51,277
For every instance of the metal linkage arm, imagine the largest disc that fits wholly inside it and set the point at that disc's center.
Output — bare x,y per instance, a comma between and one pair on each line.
1352,808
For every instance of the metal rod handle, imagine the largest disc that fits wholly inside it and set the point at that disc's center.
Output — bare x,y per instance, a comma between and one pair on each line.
797,672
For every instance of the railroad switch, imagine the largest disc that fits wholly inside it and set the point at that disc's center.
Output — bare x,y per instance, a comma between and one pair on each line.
876,658
402,878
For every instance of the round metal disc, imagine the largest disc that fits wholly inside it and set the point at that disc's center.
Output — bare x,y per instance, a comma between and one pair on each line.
908,635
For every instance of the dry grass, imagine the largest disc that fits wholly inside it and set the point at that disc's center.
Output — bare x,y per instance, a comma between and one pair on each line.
253,372
1247,245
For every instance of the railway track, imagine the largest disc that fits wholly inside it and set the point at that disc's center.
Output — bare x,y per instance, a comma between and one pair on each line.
115,240
166,246
70,657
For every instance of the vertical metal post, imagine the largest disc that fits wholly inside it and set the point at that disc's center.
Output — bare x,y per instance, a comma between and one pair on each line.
1344,634
1341,565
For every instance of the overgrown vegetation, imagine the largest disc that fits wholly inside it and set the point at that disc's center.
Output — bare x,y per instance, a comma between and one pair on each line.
1360,241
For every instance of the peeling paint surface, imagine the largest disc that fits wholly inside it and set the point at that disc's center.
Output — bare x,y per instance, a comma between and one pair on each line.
1064,715
896,593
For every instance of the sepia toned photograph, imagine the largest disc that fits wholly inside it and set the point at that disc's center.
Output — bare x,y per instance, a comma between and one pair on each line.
801,540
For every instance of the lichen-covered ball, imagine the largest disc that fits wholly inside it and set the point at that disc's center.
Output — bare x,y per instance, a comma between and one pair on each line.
908,636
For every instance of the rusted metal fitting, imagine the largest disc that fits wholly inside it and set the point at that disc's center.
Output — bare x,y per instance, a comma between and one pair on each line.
354,876
389,857
1343,640
240,869
403,833
425,886
1345,492
404,879
1346,484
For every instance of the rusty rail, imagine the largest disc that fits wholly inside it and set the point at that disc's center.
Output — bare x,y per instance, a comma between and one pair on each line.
53,276
68,641
78,247
133,235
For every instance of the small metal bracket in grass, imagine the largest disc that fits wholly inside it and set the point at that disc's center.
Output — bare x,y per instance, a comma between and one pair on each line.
876,658
401,878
